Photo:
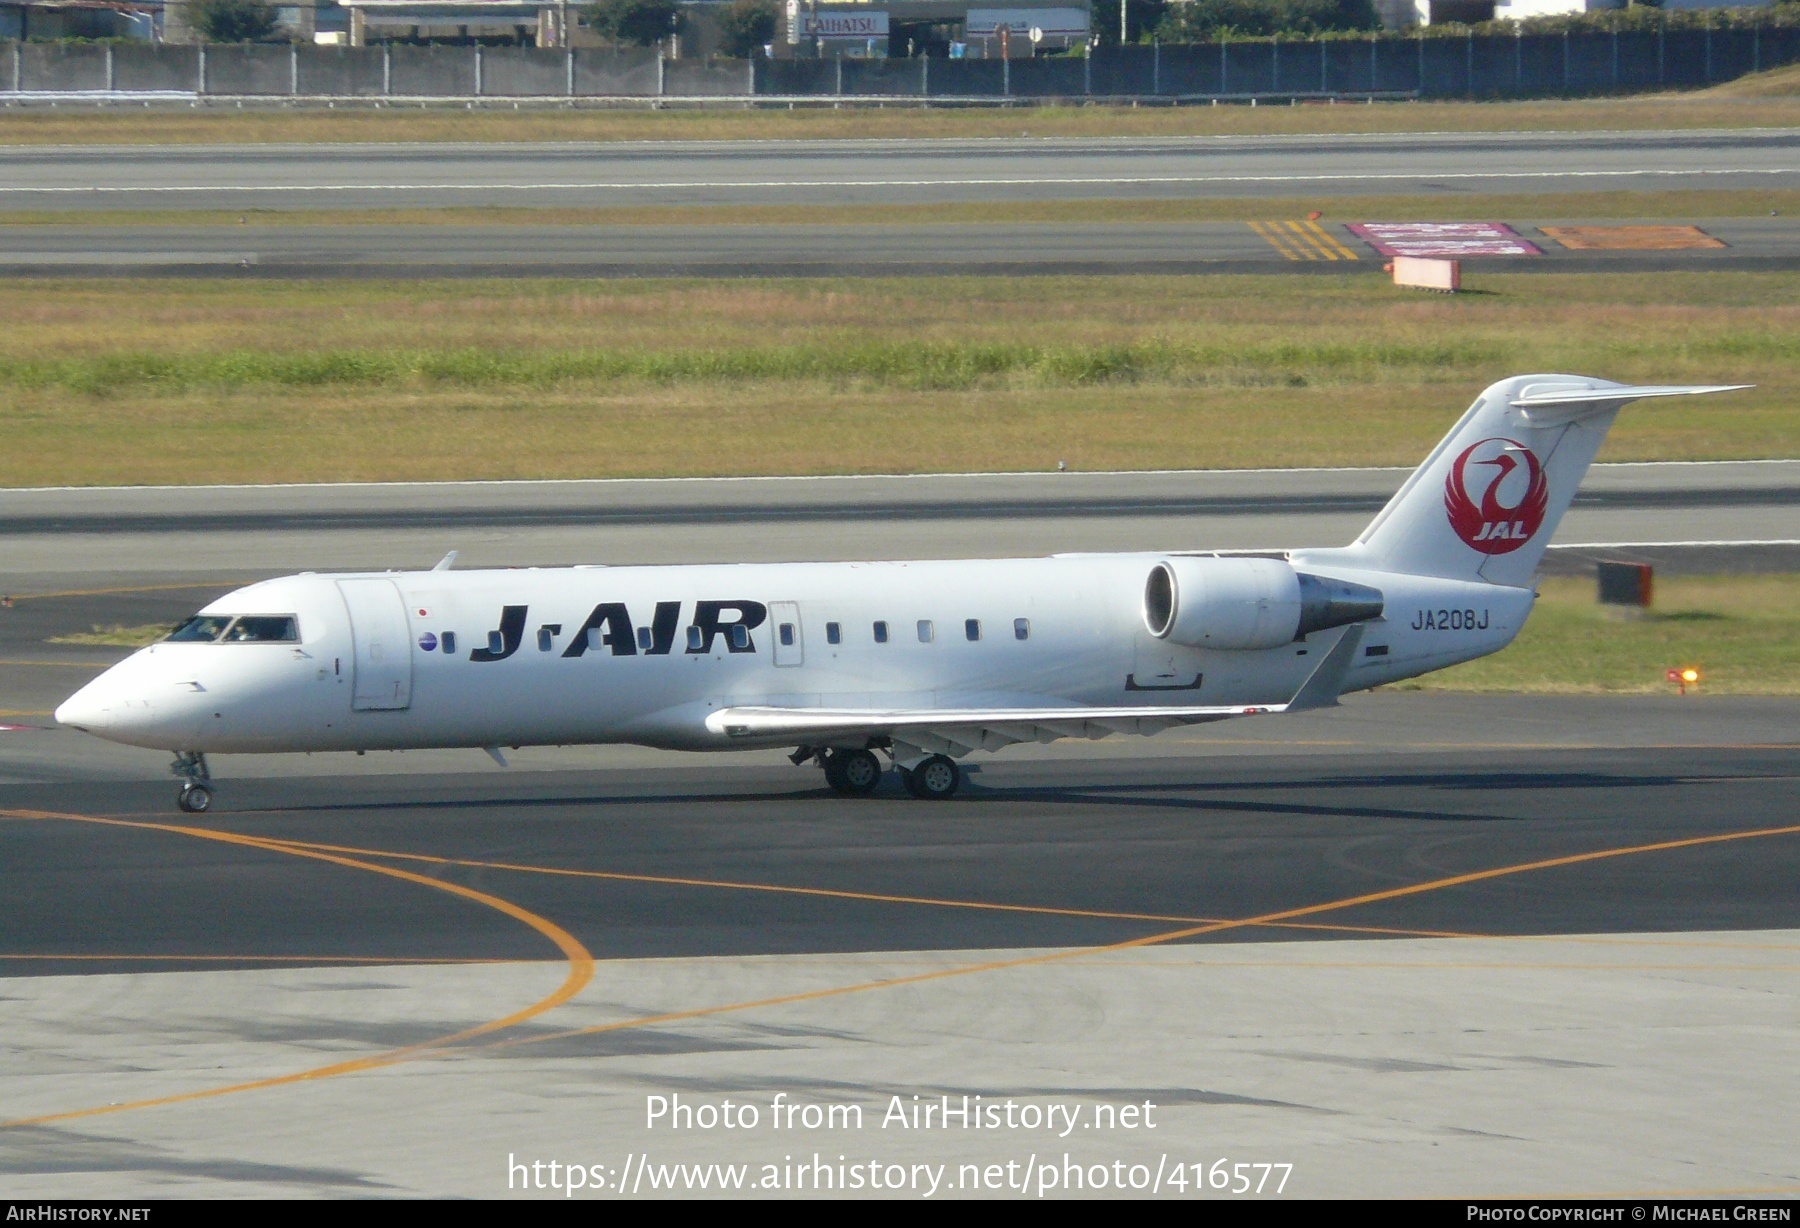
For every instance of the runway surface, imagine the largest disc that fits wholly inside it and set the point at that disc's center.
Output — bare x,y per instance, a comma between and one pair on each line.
265,250
80,538
849,172
1394,789
1419,945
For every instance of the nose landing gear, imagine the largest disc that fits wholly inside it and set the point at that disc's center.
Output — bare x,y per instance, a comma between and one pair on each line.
196,782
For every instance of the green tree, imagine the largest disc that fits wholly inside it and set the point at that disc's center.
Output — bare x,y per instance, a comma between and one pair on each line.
1145,17
232,21
642,22
1206,20
745,25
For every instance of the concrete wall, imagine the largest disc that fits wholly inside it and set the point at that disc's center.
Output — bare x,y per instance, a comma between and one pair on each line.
1451,67
139,66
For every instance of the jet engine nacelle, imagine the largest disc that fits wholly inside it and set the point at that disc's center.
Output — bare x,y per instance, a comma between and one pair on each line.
1248,603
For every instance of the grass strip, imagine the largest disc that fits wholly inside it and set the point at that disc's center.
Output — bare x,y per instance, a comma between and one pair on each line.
106,382
1742,632
115,636
453,122
928,366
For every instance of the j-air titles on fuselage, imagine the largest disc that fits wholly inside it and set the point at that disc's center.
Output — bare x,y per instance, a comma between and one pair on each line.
609,629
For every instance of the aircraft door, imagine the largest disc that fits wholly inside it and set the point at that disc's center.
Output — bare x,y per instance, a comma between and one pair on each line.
790,648
381,639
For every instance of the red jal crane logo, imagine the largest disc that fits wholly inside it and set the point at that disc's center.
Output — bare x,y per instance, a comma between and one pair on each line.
1476,511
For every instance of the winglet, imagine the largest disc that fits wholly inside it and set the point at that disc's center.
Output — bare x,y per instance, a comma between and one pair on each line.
1323,686
445,563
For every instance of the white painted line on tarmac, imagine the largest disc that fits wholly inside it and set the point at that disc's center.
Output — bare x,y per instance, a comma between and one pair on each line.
1059,181
1768,541
1046,474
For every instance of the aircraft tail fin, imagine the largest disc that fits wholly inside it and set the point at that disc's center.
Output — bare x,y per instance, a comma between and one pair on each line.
1486,501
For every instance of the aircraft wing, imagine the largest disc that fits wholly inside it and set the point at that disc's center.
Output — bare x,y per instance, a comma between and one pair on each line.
957,731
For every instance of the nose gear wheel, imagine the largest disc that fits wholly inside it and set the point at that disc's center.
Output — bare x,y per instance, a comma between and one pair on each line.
196,796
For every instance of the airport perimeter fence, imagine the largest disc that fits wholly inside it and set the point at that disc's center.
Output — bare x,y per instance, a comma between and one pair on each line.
1472,66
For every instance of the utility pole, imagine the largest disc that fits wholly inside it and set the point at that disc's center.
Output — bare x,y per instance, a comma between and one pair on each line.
1124,10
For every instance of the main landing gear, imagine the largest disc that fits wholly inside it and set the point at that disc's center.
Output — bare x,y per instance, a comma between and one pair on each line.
857,773
196,782
933,779
854,773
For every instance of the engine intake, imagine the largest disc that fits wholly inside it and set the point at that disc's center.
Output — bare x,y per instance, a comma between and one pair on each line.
1248,603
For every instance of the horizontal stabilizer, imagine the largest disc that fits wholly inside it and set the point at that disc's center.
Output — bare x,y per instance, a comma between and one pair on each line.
1549,404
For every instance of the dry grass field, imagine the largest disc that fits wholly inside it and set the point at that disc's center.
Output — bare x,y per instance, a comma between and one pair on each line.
1741,632
1753,106
105,382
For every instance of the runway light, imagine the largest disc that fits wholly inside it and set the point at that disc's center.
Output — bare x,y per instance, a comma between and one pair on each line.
1684,677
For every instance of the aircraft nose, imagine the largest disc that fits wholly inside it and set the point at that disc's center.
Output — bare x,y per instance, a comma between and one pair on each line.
88,709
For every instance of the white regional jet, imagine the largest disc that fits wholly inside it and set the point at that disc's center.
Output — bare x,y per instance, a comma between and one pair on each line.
923,662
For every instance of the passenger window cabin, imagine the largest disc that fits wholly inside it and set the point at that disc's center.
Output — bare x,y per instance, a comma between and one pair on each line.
1021,628
925,631
880,631
834,634
971,629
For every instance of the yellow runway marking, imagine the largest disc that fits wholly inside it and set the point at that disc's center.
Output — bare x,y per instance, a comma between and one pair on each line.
1272,235
379,960
1308,910
728,885
988,906
69,664
580,961
1303,240
139,588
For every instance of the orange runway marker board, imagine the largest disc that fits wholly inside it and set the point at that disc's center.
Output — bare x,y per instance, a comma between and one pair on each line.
1630,238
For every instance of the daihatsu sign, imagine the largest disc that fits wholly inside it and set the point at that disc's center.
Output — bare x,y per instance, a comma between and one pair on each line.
849,25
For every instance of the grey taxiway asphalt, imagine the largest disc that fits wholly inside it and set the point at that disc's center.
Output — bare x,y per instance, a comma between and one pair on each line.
849,172
154,531
268,249
1459,946
814,172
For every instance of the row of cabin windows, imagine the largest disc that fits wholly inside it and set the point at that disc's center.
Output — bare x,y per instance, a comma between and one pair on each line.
739,635
834,632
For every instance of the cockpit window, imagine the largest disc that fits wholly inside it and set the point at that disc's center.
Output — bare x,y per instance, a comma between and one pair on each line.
262,629
200,629
245,629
